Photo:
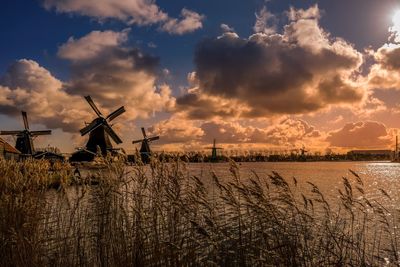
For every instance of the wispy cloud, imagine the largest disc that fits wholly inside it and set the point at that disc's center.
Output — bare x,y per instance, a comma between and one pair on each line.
139,12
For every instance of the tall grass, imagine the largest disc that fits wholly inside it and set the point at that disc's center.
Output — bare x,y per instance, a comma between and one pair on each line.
160,215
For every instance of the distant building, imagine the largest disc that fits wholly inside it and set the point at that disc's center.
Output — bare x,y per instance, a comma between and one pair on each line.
370,154
7,151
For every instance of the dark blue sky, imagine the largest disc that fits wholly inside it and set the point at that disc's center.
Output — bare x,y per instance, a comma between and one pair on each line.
30,31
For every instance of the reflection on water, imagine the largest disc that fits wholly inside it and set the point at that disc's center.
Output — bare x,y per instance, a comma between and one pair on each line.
326,175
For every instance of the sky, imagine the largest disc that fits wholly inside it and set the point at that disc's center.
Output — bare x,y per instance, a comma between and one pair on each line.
255,75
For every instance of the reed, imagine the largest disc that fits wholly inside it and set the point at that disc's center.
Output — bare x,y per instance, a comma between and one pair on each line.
161,215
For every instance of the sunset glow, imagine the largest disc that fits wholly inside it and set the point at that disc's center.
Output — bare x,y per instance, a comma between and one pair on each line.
282,77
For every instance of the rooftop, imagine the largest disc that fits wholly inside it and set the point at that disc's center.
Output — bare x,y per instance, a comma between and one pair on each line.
8,148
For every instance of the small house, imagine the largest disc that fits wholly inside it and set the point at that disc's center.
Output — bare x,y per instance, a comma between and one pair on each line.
7,151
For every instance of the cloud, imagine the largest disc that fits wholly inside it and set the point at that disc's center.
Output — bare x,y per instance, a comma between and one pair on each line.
226,28
101,66
384,73
265,22
140,12
302,70
176,130
288,133
115,74
368,134
190,22
30,87
90,46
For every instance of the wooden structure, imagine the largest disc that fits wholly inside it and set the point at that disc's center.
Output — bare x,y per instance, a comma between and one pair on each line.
8,152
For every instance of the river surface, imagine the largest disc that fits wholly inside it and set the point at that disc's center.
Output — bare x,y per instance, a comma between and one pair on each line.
326,175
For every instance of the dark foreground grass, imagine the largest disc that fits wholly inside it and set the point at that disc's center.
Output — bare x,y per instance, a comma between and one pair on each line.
162,216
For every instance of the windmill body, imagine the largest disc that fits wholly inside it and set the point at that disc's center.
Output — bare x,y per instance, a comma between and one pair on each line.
100,134
24,142
99,138
145,151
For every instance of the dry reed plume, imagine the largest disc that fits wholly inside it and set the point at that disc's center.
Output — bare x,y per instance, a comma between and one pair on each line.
159,215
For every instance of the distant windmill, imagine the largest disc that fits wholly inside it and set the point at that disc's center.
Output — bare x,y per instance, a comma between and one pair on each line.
145,151
100,132
25,137
214,149
303,151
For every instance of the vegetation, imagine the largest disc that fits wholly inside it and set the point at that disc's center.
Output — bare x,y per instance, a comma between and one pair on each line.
160,215
269,156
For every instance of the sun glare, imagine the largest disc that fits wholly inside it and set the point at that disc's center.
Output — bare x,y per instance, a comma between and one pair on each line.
396,19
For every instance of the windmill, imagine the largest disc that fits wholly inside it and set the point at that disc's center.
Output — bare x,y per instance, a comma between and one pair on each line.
303,151
100,131
25,137
145,147
214,149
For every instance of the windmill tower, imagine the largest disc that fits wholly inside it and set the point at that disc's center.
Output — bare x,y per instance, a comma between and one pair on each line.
100,131
25,137
396,151
145,151
214,149
303,152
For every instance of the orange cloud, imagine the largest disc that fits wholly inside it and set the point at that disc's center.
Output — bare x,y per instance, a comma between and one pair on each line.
288,133
101,66
368,134
30,87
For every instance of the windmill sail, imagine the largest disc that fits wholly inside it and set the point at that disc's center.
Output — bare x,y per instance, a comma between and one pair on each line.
10,132
37,133
93,125
115,114
25,118
112,134
94,107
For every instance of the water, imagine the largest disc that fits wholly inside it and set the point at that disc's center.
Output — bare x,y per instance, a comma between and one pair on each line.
326,175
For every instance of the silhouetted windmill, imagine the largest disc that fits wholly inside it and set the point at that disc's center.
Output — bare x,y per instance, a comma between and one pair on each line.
100,130
25,137
214,149
303,151
145,151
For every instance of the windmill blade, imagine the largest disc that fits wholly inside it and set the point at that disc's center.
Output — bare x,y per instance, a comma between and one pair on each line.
10,132
112,134
137,141
25,118
91,103
153,138
93,125
116,113
143,132
36,133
